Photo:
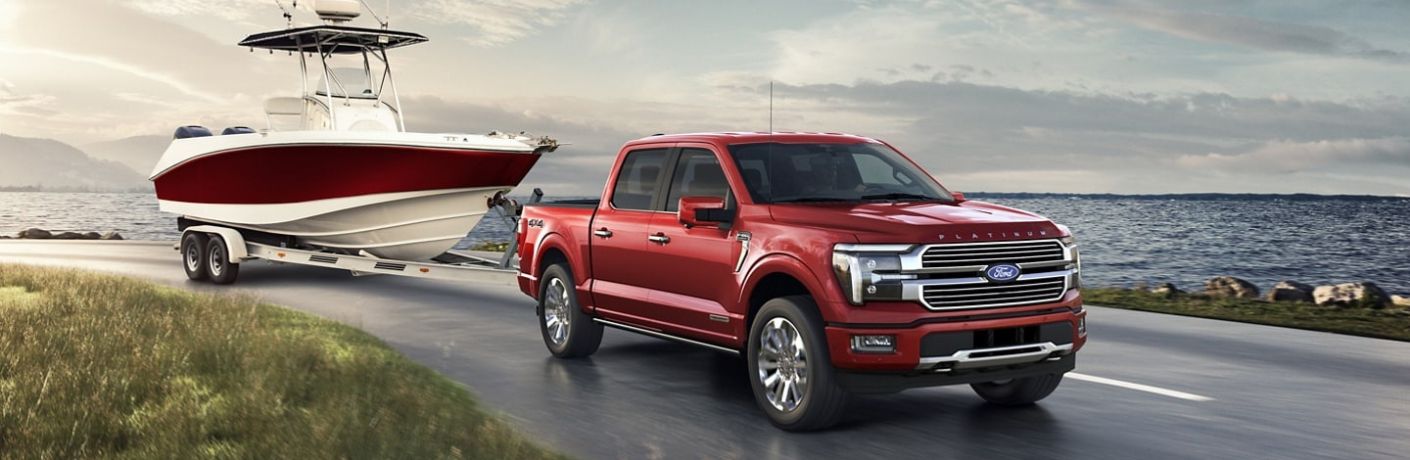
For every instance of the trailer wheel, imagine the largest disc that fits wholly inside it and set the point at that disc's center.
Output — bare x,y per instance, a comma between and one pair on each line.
218,264
193,255
567,331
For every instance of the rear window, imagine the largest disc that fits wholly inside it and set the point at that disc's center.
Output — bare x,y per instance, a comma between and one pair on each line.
637,181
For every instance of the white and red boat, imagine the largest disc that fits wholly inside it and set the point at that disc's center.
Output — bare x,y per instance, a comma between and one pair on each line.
335,169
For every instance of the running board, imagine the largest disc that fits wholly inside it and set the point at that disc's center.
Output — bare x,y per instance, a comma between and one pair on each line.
663,335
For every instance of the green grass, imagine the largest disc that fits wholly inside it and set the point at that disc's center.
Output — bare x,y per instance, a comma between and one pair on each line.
1390,323
105,366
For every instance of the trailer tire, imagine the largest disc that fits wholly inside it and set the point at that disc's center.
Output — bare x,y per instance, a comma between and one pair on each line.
566,330
193,256
1018,392
218,264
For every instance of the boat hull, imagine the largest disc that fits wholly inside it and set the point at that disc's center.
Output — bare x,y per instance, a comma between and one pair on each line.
409,202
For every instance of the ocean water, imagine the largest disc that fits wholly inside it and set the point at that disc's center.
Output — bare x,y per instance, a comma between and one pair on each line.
1124,241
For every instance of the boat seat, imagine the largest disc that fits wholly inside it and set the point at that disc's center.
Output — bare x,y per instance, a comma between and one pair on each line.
284,113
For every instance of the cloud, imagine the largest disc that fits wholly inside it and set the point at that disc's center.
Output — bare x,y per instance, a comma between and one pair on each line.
1253,33
224,9
1288,156
1040,139
497,22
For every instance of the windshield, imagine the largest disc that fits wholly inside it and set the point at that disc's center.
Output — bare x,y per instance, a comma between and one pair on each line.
796,173
347,82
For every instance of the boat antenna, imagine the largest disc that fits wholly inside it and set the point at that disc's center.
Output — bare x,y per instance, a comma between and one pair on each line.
380,20
288,15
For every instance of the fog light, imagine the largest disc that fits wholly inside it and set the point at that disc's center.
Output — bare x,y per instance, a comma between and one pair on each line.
874,343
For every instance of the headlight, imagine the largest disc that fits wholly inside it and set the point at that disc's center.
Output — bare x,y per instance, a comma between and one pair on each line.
1070,242
869,272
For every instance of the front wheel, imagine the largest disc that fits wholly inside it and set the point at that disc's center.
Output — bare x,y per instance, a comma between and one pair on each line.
1018,392
567,331
790,369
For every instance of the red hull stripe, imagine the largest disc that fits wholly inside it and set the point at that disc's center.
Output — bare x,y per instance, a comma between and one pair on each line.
298,173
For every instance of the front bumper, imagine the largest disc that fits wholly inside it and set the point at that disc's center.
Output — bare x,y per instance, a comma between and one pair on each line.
1053,332
891,382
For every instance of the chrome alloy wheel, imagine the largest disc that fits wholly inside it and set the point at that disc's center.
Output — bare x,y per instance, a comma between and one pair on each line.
556,312
783,364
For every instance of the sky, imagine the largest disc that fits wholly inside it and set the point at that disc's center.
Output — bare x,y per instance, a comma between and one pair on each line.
1081,96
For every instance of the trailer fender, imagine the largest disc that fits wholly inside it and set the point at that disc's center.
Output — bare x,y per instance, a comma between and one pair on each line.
234,242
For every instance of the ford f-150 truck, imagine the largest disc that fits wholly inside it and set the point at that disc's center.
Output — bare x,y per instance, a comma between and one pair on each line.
833,263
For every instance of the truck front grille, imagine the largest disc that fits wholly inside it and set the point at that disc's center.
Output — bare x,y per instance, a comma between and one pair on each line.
974,295
969,255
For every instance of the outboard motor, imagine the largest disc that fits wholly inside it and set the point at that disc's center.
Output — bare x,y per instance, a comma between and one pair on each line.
237,130
185,132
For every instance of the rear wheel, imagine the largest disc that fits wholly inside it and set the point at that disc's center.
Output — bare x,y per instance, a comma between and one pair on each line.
1018,392
193,255
790,369
218,264
567,331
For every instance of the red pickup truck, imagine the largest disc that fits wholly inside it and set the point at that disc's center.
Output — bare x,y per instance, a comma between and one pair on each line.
833,263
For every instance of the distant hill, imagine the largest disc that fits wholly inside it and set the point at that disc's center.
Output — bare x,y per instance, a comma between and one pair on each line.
52,164
139,153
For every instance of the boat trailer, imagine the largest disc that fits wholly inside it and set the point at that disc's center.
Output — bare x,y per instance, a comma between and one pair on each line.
242,245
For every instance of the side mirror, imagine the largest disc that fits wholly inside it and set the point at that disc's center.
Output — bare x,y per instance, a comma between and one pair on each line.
702,210
959,196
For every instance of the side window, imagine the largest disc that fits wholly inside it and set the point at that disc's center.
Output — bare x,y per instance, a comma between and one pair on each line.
698,173
637,181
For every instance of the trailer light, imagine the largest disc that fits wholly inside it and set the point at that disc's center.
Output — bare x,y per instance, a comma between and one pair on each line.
425,270
874,344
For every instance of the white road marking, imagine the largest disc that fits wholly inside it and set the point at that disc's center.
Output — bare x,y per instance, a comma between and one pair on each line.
1139,387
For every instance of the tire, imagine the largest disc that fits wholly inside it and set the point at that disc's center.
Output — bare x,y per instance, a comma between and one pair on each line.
567,331
218,265
822,401
1018,392
193,255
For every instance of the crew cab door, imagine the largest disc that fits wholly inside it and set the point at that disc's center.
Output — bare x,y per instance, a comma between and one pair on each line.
691,270
619,232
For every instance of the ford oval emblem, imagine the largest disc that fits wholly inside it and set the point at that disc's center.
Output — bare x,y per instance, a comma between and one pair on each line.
1001,272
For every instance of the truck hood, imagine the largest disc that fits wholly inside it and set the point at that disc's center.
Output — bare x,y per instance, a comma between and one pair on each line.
920,222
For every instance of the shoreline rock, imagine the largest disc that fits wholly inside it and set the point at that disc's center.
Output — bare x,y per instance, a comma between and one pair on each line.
1290,291
1167,290
1228,286
1351,295
42,234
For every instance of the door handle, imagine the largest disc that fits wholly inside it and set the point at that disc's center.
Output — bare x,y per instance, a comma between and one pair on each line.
659,238
602,233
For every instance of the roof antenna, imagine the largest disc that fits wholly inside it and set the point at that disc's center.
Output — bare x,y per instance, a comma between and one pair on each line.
771,106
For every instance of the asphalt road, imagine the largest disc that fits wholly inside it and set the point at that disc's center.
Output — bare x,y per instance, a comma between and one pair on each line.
1147,385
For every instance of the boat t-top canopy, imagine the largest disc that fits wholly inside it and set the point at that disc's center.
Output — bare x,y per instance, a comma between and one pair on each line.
330,39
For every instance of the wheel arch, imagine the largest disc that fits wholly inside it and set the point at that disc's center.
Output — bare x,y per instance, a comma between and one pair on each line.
777,276
234,241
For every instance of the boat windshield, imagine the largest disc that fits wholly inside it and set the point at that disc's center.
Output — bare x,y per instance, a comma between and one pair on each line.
347,82
801,173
